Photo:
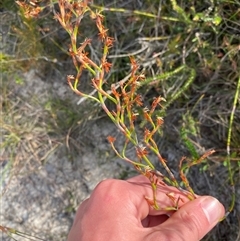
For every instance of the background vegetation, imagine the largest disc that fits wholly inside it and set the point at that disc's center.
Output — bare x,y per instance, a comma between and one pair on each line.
189,51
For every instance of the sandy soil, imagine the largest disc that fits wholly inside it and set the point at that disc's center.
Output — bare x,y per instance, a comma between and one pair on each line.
42,198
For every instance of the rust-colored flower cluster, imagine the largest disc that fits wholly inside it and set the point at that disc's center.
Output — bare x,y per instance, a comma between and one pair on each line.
31,9
128,104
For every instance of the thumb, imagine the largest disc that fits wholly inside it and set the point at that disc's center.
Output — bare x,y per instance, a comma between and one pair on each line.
193,220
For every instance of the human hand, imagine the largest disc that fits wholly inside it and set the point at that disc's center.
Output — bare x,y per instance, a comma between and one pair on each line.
117,210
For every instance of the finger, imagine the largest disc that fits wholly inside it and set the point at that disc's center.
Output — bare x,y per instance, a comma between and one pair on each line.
191,222
81,211
151,221
163,192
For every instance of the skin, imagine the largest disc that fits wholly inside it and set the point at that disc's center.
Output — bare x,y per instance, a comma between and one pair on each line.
117,210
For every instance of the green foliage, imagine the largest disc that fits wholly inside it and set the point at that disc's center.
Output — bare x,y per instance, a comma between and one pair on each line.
9,5
63,115
189,129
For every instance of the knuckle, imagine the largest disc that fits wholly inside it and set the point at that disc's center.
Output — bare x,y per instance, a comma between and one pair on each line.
110,190
108,184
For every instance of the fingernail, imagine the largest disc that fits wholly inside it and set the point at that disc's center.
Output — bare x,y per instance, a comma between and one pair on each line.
212,209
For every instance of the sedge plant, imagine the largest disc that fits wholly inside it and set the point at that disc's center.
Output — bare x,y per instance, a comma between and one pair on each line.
124,99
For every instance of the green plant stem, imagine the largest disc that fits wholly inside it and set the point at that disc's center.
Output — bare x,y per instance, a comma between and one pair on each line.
136,12
180,11
11,231
228,145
